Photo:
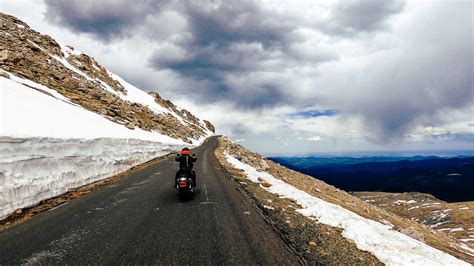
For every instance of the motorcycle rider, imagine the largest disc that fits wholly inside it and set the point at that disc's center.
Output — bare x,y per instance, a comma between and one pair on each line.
186,161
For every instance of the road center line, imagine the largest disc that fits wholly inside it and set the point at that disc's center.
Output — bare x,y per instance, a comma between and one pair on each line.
205,192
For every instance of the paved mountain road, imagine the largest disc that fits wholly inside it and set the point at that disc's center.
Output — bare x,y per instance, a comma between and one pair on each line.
139,219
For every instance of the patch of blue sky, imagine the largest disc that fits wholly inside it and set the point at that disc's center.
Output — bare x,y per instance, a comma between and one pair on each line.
315,113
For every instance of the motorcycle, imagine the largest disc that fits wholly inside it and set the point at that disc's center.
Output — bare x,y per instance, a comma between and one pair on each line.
184,185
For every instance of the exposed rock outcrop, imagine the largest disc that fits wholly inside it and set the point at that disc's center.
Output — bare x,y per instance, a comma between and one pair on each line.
454,219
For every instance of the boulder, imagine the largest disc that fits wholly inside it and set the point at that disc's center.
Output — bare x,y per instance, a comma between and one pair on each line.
3,55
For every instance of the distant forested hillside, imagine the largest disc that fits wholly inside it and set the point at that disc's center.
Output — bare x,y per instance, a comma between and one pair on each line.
449,179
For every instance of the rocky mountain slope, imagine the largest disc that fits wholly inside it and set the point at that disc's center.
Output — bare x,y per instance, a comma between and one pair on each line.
66,121
27,54
454,219
329,226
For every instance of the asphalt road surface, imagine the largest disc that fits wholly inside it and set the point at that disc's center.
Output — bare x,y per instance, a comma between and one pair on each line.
139,219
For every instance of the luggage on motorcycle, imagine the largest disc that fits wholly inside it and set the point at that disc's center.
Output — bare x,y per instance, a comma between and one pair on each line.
184,185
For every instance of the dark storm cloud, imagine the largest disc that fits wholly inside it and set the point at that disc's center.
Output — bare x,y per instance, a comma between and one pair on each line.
261,96
221,40
237,21
209,61
106,20
228,39
352,17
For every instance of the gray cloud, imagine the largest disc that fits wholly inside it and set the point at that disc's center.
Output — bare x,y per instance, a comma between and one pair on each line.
211,60
352,17
223,40
463,137
235,22
431,75
106,20
228,39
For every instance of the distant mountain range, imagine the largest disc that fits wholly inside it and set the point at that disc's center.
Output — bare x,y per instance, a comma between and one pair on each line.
449,179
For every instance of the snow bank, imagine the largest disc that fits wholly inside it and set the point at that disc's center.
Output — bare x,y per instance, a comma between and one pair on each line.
35,169
389,246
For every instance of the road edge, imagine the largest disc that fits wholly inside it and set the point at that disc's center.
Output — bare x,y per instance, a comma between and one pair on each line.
218,152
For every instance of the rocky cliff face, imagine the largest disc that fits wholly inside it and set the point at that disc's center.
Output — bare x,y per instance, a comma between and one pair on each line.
79,78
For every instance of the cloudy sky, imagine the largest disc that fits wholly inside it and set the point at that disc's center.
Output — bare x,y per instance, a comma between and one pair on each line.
292,77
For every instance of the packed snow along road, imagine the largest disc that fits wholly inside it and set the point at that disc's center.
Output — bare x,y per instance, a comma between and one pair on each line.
35,169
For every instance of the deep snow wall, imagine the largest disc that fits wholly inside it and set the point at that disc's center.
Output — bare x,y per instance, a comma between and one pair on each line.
35,169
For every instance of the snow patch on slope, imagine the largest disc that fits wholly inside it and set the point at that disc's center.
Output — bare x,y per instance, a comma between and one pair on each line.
35,114
389,246
138,96
68,50
133,94
33,84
